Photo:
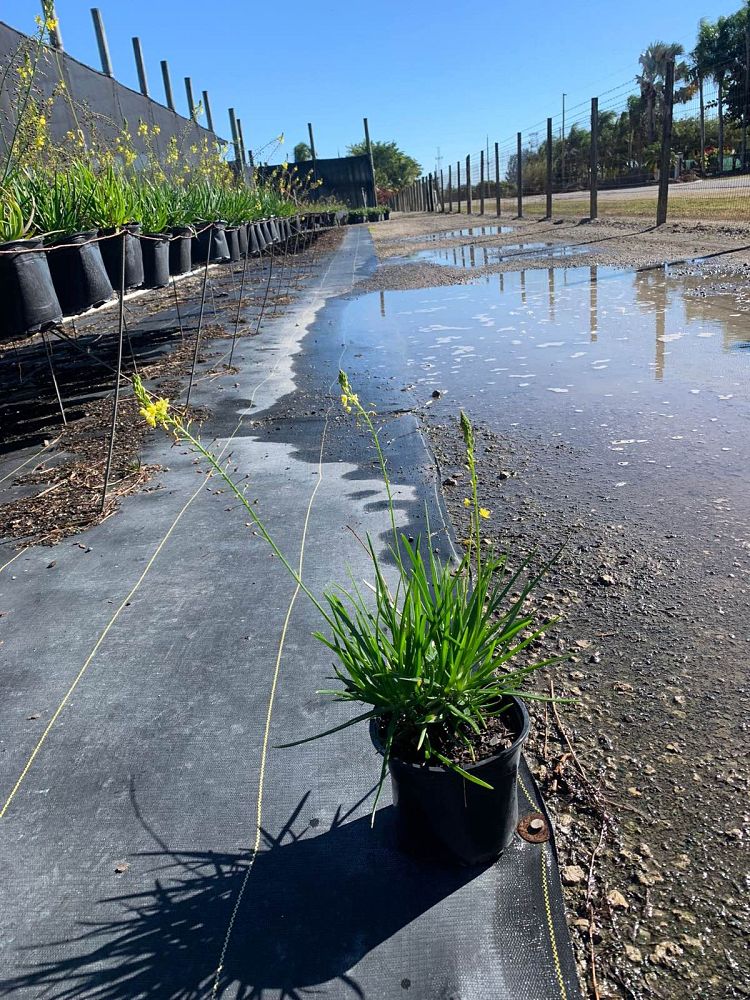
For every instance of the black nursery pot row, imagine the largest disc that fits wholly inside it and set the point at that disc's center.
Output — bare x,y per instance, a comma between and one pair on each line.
40,283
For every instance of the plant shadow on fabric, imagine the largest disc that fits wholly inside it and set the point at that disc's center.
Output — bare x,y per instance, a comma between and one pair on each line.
315,905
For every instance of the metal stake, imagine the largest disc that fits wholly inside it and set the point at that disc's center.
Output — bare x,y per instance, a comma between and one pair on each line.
200,316
116,402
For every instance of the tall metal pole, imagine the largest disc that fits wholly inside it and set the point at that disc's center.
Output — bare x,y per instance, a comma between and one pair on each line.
497,178
189,95
562,148
55,36
594,196
450,189
368,147
468,184
549,169
140,66
481,183
101,41
312,151
519,175
243,153
442,193
168,95
458,185
209,116
235,136
666,146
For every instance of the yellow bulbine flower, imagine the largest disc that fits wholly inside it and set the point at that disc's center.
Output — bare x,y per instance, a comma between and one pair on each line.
483,512
155,411
467,502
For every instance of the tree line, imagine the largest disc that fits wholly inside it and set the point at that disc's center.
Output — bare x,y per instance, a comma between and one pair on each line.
712,141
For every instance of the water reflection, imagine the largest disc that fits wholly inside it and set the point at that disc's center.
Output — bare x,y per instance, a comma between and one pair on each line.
488,255
593,305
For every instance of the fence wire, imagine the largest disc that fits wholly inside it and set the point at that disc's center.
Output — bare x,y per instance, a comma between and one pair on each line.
707,157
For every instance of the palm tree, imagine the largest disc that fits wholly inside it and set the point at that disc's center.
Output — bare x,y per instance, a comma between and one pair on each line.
651,79
712,56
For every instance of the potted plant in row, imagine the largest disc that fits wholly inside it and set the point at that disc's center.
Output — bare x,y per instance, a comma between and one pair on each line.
28,297
431,659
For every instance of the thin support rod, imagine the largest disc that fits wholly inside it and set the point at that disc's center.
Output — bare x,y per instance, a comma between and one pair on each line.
116,401
190,98
239,306
209,116
200,316
54,377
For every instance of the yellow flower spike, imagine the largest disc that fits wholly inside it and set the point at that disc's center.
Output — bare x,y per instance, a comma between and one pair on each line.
483,512
467,502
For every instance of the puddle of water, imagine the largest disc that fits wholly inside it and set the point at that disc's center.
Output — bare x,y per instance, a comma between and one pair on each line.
658,378
473,231
478,255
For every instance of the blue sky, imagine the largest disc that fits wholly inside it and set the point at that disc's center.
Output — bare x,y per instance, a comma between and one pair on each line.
427,75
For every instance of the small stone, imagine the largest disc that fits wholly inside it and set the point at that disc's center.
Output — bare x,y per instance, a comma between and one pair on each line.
665,953
606,580
633,954
572,875
436,394
616,900
504,475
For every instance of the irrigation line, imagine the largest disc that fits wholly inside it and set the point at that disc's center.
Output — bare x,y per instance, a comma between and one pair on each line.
116,401
200,318
48,349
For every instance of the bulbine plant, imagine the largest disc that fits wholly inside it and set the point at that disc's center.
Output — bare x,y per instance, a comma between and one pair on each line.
432,654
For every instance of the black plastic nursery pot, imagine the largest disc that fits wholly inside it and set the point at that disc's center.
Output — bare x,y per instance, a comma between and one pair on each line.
255,239
438,810
112,249
233,243
181,250
386,214
155,249
355,217
28,297
242,238
215,236
78,272
264,228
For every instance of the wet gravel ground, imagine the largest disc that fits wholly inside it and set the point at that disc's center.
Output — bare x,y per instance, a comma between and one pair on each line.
646,775
615,243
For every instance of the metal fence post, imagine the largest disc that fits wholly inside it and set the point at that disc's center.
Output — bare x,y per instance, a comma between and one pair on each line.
450,190
101,41
312,151
140,66
468,185
519,176
368,147
207,109
481,183
442,193
235,136
666,146
458,185
497,178
168,95
549,168
189,95
593,198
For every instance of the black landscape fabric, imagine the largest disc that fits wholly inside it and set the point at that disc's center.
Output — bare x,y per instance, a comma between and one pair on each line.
151,659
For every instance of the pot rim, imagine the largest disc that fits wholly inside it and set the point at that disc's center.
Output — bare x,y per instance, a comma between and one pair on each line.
518,741
25,241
